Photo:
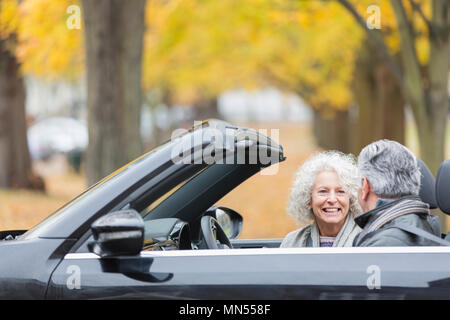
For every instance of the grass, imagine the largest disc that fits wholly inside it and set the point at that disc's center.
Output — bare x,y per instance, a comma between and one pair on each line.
261,199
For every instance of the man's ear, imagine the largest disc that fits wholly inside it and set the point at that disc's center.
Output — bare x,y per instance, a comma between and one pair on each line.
365,188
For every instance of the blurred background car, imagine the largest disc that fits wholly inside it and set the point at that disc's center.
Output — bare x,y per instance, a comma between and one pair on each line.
58,135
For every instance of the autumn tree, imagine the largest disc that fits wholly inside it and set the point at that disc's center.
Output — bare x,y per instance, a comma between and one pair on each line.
380,102
424,82
340,77
34,42
50,40
107,50
199,49
302,47
15,160
313,48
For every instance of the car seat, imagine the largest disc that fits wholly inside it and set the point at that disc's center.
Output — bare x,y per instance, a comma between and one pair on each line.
427,193
443,189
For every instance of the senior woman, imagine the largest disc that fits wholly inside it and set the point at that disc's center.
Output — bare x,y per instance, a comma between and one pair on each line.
325,190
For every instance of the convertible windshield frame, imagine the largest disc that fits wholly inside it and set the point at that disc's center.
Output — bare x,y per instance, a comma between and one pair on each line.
38,229
199,145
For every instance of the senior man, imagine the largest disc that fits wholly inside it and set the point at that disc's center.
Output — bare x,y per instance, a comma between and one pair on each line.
394,213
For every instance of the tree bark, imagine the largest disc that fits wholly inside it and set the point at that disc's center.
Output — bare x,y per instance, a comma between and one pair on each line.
380,101
437,92
332,131
391,105
368,128
114,31
206,109
380,106
15,160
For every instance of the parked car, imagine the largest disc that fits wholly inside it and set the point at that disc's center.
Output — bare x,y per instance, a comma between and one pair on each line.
55,135
151,230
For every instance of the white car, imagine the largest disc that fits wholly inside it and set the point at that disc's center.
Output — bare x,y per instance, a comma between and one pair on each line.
56,135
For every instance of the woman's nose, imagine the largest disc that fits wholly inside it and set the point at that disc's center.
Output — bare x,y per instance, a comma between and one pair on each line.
332,197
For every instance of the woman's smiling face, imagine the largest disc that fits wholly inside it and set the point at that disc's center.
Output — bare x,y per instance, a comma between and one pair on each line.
330,203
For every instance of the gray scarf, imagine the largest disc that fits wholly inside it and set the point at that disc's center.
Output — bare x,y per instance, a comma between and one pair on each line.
343,239
401,208
309,236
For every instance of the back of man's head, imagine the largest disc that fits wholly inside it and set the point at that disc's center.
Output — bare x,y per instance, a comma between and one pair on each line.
390,168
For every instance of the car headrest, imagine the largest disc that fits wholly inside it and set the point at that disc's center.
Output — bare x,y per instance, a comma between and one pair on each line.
427,190
443,187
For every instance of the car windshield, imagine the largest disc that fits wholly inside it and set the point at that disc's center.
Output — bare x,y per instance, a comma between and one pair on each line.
145,212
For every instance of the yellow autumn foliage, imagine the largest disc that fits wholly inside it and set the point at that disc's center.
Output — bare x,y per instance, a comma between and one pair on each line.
48,48
9,18
198,49
43,43
388,24
201,48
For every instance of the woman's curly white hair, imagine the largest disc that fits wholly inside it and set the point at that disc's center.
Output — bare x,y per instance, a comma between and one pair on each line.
300,198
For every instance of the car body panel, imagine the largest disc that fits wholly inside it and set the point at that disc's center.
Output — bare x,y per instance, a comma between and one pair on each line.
27,265
300,273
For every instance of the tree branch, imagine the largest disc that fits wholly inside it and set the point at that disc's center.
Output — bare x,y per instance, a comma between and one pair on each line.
416,7
377,41
414,88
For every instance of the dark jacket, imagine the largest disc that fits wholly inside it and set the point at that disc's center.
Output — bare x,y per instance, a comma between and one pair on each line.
390,234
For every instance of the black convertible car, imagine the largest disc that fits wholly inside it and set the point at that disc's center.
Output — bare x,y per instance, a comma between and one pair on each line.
151,231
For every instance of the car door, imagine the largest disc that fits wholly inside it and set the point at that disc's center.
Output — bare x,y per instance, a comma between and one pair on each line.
270,273
86,276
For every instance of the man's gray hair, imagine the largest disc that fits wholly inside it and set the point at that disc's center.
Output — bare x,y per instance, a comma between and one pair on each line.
390,168
300,197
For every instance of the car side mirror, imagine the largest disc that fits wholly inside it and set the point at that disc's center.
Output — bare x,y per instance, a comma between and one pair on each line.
119,233
229,220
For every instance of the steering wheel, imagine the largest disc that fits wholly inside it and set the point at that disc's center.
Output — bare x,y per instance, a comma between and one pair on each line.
212,233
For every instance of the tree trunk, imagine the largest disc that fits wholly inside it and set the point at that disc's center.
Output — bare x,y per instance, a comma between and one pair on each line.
368,128
15,161
332,131
437,93
391,105
206,109
322,131
380,101
114,31
380,109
